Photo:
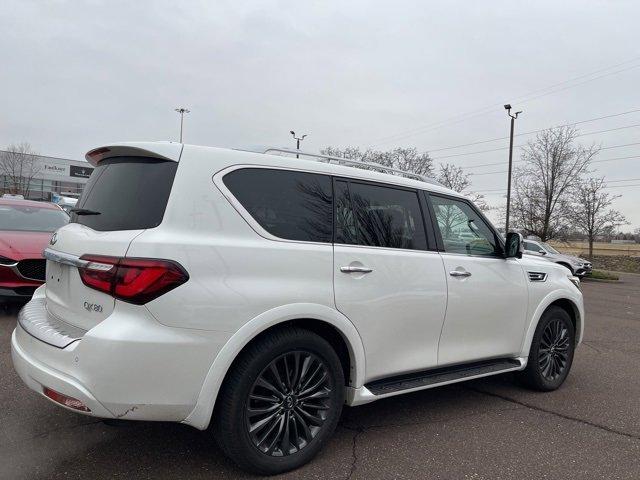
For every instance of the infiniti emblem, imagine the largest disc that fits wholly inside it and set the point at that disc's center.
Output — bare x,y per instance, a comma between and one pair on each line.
54,239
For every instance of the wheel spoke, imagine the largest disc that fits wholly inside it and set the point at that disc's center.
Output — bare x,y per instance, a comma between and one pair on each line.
258,425
253,412
261,382
277,437
305,366
315,396
285,442
316,385
305,428
312,376
276,375
277,420
312,419
262,398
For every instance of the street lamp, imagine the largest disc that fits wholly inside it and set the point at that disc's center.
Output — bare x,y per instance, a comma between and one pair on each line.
298,140
507,107
182,111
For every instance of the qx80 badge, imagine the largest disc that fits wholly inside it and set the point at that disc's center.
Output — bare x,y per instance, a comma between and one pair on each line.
92,307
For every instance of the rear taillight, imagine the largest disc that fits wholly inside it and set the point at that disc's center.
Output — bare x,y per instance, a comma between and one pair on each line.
133,280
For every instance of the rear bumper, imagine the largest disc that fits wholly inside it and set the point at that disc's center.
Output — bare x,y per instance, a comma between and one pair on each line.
37,376
128,366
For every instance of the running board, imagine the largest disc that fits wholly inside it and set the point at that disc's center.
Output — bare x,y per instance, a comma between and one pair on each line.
443,375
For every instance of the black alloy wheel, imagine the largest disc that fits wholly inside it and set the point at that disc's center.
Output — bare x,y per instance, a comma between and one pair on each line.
551,352
280,402
288,403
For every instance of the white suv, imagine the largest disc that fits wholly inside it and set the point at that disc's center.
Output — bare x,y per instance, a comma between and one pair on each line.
262,292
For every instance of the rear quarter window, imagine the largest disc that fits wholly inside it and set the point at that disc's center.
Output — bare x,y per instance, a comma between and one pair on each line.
287,204
128,193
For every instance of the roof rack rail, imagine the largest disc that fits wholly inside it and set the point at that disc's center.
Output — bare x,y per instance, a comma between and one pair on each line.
355,163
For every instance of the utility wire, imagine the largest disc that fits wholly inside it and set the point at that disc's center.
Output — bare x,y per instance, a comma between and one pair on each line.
519,161
498,191
535,131
521,146
549,90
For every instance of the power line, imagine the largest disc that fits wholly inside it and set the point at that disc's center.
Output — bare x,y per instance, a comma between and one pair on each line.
521,146
522,99
503,191
535,131
519,161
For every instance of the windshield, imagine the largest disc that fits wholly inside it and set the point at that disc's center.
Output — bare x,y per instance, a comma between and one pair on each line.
31,219
549,248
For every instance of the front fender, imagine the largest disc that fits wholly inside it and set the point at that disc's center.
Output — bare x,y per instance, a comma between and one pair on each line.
200,416
560,294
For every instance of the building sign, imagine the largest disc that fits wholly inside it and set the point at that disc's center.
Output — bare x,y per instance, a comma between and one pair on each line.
82,172
53,169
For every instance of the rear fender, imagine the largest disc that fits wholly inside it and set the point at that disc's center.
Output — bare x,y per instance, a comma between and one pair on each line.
201,414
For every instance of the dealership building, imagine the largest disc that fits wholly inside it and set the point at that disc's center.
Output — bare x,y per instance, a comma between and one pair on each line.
53,176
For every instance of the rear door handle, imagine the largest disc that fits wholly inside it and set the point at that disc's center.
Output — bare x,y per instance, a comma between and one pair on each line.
354,269
458,273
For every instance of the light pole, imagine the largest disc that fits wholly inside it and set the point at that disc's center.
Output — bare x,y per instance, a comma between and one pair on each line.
182,111
507,107
298,140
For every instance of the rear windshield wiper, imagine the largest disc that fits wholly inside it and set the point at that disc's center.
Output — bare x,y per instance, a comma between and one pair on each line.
84,211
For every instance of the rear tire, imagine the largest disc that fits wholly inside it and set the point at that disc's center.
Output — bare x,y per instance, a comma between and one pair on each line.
551,353
280,403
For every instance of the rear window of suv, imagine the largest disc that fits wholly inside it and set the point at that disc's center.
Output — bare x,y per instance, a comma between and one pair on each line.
126,193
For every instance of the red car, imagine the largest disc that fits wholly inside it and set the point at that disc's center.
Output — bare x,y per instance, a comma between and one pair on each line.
25,230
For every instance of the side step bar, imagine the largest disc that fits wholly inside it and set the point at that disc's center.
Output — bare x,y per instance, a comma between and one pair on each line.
443,375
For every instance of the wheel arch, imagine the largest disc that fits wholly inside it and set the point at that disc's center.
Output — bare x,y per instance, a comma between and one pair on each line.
325,321
563,299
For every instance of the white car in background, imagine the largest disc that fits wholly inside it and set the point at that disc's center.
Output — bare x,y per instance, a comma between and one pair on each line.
576,265
260,293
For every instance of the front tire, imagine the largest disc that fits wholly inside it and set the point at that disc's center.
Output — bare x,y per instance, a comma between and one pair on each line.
280,403
551,353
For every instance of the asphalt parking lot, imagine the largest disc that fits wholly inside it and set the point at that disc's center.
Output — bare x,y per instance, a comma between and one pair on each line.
488,429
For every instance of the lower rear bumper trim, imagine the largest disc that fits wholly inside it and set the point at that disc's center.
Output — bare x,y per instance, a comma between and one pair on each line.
39,323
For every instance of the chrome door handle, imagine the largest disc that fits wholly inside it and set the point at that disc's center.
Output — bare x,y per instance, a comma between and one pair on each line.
458,273
351,269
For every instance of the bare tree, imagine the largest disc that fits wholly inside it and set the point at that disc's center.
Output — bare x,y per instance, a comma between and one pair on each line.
453,177
407,159
19,165
591,213
553,164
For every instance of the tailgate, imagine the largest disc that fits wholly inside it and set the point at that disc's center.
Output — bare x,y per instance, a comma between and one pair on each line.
67,297
124,196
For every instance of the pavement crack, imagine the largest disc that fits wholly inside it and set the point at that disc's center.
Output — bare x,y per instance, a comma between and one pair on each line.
560,415
354,449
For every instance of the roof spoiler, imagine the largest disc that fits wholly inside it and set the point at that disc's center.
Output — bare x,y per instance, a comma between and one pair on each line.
163,150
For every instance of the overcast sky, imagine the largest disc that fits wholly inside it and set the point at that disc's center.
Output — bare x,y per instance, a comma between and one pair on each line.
77,75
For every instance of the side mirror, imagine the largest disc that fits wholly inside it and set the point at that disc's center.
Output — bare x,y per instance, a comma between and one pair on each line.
543,252
513,246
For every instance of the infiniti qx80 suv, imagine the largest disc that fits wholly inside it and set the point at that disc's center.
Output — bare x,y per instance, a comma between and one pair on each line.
260,293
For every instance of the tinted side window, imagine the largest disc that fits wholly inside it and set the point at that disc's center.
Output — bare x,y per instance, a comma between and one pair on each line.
345,222
462,229
385,217
287,204
130,193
